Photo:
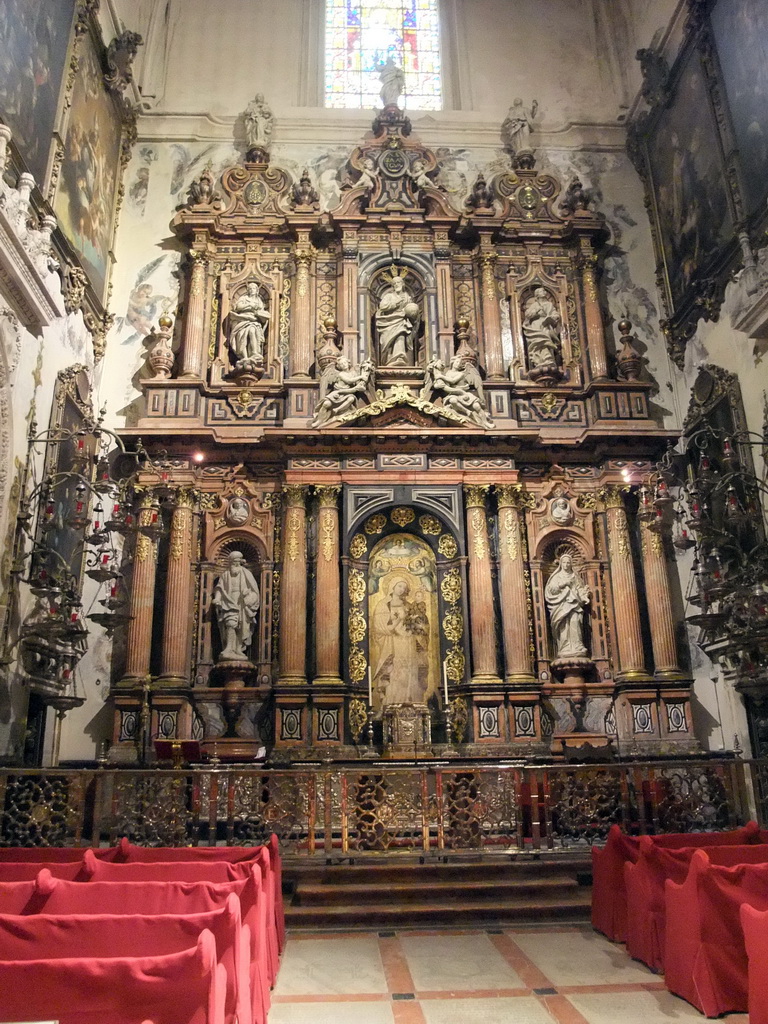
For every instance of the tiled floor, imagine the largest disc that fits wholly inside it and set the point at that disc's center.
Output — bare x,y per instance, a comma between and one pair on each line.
536,975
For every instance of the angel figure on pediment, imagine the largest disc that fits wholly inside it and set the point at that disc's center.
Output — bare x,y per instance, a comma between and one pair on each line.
341,385
461,386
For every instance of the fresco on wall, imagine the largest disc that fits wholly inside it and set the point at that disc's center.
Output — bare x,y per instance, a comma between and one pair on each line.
740,28
692,211
85,201
35,38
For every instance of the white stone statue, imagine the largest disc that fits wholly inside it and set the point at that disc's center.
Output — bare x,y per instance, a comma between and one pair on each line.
236,600
248,321
368,174
392,83
567,595
461,387
238,512
561,511
516,128
541,329
259,122
419,175
397,321
341,385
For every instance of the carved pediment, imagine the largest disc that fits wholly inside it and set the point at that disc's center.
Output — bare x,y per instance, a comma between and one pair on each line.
396,398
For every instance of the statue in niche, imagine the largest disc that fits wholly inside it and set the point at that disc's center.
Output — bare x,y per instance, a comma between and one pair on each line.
392,83
567,595
561,511
341,385
400,631
516,128
259,123
541,329
461,387
236,600
397,321
248,324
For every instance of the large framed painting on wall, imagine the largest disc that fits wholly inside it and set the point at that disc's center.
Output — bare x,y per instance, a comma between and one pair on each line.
740,32
686,169
36,37
86,198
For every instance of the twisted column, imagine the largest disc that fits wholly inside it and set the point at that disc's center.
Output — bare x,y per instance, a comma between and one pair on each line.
139,641
629,639
494,356
328,593
513,592
598,359
659,599
482,629
193,347
293,594
175,663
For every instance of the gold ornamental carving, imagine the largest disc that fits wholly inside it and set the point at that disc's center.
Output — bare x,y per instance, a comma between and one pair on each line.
453,626
375,524
328,532
303,260
514,496
295,495
450,587
619,534
293,524
356,586
144,548
652,541
358,546
455,665
357,665
477,523
429,525
402,516
357,626
460,718
474,495
512,530
549,403
358,718
447,546
186,498
612,496
328,495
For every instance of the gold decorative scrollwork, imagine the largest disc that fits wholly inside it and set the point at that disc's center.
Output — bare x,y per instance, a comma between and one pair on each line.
455,665
474,495
450,587
293,523
512,530
358,546
402,516
447,546
477,523
144,548
429,525
618,532
375,524
357,665
453,626
356,586
357,626
358,718
328,530
460,718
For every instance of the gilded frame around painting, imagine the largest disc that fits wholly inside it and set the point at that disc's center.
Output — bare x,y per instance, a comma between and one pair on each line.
705,196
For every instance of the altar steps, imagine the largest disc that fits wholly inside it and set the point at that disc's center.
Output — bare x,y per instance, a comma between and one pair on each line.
410,894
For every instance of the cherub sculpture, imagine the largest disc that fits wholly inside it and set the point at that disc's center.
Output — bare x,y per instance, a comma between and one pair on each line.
461,387
341,385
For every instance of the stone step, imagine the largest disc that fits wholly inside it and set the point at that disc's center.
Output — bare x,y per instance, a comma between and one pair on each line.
435,891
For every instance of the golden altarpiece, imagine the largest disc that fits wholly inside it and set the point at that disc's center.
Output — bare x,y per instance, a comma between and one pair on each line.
405,427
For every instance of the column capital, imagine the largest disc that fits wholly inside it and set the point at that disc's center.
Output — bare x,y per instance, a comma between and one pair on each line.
513,496
327,494
612,496
474,495
186,497
295,495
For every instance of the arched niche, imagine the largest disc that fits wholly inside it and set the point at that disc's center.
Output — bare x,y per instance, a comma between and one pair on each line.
386,286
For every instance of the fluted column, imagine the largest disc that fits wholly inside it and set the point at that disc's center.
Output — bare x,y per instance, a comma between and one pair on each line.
512,588
293,593
175,666
598,360
629,639
139,640
659,601
193,347
303,334
482,626
494,355
328,593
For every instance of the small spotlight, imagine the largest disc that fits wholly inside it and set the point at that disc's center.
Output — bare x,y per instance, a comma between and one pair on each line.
198,457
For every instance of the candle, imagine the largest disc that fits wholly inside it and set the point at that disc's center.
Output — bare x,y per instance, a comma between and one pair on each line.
445,682
370,688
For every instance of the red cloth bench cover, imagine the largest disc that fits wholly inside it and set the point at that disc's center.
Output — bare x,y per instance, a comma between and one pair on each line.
47,937
705,956
609,897
56,896
755,926
159,871
23,871
55,854
180,988
644,882
21,898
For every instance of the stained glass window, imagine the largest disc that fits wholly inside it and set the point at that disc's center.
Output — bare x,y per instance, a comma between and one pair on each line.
360,35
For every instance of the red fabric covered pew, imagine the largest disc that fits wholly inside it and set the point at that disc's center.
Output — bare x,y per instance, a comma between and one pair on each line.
55,854
609,897
23,871
705,956
755,926
56,896
644,882
21,898
160,871
46,937
181,988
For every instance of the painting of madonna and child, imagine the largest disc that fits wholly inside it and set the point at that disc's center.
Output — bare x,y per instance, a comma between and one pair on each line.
403,618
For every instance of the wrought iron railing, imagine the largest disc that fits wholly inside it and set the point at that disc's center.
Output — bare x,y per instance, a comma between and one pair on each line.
351,811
